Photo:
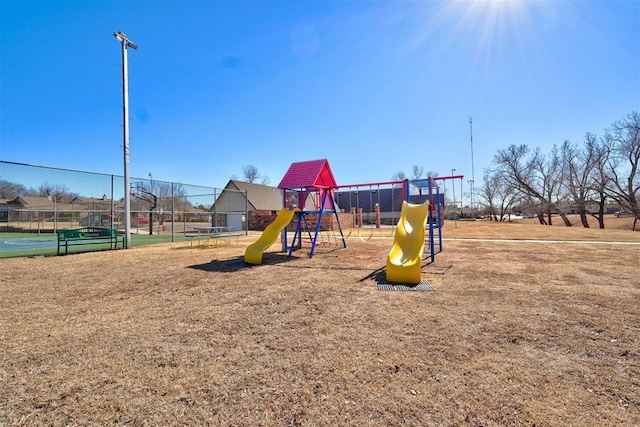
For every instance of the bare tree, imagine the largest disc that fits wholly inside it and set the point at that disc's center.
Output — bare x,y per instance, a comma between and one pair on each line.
580,172
599,176
167,198
497,195
537,177
581,178
552,174
576,182
251,174
399,176
624,164
57,192
417,172
11,190
432,174
519,167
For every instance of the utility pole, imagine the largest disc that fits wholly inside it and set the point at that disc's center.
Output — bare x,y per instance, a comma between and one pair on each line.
151,190
122,38
473,177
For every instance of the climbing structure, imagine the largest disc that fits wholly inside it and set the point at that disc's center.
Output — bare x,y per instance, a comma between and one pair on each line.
430,191
310,186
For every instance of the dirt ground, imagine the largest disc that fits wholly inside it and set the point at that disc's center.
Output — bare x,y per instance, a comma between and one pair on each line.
516,332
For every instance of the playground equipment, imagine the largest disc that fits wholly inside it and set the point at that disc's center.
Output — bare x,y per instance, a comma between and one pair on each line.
310,182
403,262
253,253
305,183
436,201
372,205
370,212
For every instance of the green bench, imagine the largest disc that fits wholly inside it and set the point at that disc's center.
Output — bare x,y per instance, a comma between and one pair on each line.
88,236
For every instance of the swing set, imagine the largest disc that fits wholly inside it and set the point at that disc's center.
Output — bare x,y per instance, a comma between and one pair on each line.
372,205
427,189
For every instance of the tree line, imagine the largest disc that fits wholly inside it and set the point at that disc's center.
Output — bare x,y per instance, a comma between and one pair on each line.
57,192
164,193
585,178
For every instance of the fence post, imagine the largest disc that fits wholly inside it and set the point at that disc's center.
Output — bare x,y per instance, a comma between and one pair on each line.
215,209
173,213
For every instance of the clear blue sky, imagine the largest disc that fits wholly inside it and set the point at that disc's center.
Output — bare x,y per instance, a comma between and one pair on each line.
374,86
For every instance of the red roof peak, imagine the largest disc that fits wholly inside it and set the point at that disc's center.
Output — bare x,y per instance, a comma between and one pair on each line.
308,174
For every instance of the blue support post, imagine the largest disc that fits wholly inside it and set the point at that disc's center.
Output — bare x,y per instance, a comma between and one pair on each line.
283,235
431,240
406,190
335,211
315,237
439,218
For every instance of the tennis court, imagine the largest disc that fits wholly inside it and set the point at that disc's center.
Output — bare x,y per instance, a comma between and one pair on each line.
27,244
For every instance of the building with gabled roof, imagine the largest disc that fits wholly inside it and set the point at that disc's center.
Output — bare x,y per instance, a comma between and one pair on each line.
91,203
258,198
239,199
27,208
4,210
32,203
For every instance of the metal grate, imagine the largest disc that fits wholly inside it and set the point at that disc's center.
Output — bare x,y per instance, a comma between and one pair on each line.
383,285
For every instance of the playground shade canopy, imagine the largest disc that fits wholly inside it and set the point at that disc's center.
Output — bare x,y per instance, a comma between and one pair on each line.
309,174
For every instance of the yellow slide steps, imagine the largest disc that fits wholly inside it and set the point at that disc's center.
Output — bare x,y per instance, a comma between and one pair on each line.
253,254
403,263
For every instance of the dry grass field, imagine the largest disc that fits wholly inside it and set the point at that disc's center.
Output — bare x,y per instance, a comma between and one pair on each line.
516,333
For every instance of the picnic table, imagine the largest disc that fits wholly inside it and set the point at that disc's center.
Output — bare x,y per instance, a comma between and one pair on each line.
206,235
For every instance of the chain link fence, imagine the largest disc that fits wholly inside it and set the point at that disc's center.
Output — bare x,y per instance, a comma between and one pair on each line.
41,200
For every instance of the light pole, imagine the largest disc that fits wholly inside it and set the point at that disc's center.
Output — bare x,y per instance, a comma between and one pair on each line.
151,210
122,38
53,198
473,176
471,187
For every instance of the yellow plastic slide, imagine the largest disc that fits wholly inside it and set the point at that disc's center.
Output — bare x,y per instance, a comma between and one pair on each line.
403,263
253,254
